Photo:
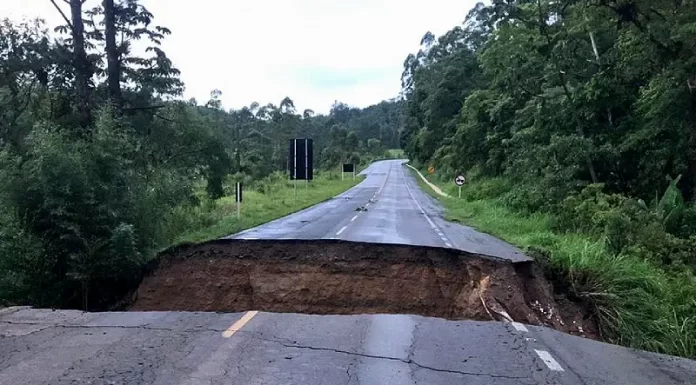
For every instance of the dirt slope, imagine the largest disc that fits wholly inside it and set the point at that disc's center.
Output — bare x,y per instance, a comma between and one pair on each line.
338,277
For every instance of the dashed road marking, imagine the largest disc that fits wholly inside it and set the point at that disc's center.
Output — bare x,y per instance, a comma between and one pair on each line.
420,208
432,224
354,218
239,324
549,360
519,327
341,230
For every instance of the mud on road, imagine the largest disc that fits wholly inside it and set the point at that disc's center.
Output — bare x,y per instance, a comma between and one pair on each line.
340,277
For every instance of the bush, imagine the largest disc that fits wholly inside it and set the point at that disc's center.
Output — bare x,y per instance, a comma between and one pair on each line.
486,189
78,211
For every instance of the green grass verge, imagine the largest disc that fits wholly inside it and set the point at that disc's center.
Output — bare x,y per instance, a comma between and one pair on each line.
396,153
263,202
636,303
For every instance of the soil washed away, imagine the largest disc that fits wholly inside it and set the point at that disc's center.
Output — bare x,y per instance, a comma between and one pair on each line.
339,277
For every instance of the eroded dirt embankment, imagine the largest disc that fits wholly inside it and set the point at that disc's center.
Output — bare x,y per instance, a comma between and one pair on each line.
337,277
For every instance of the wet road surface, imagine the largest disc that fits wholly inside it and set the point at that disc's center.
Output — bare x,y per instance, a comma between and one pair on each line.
387,207
39,346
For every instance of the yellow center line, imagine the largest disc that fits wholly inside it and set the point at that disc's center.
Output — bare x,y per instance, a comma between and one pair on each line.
239,324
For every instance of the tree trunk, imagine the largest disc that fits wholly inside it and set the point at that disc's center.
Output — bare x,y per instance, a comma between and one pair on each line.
112,56
83,72
599,64
578,122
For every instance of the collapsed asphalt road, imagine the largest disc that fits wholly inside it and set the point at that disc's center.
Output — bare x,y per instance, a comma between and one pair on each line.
244,346
340,277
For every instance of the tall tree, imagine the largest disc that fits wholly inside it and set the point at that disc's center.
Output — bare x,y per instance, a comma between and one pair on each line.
82,67
112,55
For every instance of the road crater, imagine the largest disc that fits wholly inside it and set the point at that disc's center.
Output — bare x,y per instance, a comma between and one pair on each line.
341,277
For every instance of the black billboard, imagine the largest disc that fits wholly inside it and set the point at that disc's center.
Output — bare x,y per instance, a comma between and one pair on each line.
348,167
301,159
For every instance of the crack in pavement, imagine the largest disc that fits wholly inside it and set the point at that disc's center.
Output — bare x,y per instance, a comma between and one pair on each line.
255,335
348,373
405,361
408,360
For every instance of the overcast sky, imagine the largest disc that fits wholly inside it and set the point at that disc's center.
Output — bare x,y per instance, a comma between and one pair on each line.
315,51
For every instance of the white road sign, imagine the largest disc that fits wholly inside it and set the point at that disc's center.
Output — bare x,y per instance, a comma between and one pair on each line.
460,180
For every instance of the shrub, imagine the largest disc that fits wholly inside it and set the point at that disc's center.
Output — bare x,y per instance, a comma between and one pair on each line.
78,211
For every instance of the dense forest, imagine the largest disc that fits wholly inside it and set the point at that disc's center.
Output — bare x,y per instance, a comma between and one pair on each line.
100,158
561,91
583,111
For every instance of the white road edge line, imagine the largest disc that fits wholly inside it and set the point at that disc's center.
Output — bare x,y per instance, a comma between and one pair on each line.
354,218
519,327
432,224
341,230
549,361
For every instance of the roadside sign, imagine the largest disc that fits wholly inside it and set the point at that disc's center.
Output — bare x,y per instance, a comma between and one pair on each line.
348,168
431,169
300,159
238,197
459,181
238,192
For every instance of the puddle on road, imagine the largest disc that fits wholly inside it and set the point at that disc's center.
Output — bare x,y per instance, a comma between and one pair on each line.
339,277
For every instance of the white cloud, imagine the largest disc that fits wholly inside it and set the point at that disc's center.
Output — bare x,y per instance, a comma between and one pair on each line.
265,50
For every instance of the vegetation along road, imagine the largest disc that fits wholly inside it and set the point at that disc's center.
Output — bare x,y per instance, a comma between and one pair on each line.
567,257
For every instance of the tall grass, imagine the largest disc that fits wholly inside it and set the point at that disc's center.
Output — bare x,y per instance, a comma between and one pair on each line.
635,302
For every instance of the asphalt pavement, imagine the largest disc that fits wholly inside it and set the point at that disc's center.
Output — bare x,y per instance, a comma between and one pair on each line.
388,206
40,346
165,348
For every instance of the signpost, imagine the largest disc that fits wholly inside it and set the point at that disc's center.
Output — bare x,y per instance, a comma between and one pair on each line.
460,180
348,167
238,197
300,160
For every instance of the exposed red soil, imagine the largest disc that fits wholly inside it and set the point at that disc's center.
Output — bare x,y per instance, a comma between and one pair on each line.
338,277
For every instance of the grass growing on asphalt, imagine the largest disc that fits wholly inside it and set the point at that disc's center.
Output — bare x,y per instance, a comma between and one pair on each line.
636,303
263,202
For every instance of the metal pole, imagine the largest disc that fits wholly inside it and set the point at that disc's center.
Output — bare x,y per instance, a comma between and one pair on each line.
238,196
460,192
